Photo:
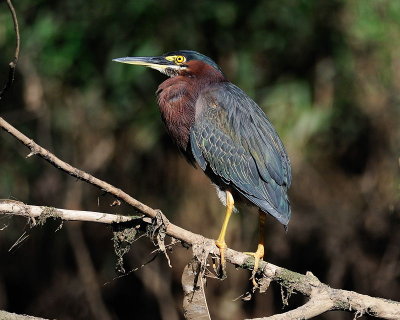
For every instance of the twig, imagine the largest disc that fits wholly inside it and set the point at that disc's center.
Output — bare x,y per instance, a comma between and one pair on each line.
13,63
322,297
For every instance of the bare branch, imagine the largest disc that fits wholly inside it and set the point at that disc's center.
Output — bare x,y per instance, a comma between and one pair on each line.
322,297
314,307
12,65
32,212
4,315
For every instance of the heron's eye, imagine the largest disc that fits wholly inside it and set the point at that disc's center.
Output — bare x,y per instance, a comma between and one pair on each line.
180,59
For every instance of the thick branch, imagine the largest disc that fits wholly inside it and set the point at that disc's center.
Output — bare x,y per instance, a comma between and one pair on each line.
322,297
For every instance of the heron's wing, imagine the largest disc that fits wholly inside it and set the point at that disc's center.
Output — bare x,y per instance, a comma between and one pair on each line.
234,138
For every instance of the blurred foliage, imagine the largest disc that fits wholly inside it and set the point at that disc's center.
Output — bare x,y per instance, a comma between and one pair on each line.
327,73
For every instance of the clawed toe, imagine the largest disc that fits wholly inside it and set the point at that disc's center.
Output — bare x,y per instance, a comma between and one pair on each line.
221,271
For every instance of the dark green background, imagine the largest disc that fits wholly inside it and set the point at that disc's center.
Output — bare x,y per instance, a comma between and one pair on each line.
327,73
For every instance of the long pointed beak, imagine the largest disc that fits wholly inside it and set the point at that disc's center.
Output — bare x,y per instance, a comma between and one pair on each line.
158,63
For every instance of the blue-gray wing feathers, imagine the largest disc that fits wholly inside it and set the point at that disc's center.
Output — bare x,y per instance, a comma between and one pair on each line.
232,136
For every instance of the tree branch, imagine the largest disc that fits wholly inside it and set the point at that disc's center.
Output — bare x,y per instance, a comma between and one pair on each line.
20,209
322,297
314,307
4,315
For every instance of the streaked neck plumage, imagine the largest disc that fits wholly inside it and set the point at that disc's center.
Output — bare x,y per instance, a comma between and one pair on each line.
177,99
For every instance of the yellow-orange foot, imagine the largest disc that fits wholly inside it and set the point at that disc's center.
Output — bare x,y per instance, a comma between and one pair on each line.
258,255
222,266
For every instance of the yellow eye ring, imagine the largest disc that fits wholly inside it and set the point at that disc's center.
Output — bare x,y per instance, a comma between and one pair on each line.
180,59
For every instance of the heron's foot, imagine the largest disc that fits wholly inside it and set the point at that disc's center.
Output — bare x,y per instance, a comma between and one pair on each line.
221,273
258,255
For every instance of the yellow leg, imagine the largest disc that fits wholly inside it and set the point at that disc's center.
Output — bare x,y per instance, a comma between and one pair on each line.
220,242
259,254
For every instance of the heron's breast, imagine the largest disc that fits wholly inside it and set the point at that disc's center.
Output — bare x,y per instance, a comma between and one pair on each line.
177,107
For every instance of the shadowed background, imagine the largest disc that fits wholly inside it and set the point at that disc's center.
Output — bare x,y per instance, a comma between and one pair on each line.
327,73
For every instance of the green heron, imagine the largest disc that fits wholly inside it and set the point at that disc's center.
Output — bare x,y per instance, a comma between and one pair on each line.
222,130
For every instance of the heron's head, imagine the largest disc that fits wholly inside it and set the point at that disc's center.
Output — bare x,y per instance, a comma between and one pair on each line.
182,62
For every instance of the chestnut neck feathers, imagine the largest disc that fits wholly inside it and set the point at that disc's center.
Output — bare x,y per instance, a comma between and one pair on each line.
177,98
